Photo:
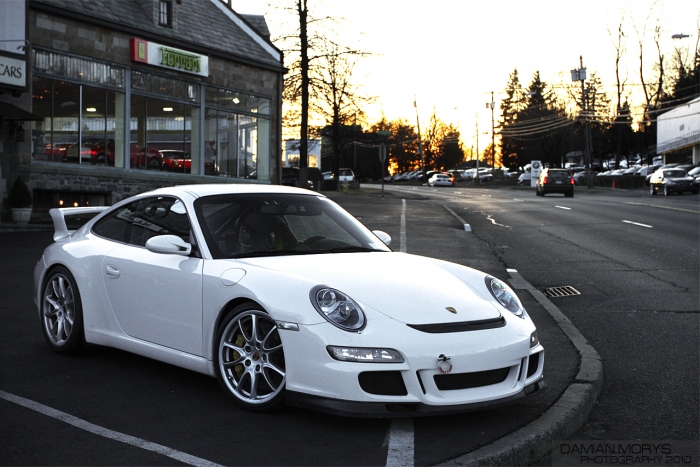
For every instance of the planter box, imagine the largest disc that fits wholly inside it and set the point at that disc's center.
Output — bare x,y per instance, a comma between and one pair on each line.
21,215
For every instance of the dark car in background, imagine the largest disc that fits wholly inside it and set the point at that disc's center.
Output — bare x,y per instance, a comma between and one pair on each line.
555,181
672,180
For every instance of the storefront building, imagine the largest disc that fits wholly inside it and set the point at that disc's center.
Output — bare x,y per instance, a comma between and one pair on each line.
123,96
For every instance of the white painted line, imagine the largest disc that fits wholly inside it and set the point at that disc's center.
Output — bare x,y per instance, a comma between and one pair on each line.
637,223
402,234
106,433
664,207
400,443
563,207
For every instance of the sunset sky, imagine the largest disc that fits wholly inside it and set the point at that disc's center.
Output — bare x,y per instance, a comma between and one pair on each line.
450,54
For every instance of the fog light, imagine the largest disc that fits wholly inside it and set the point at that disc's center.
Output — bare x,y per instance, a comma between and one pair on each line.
364,355
534,340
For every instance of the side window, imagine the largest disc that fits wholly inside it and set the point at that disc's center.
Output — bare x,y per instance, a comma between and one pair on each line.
117,225
136,222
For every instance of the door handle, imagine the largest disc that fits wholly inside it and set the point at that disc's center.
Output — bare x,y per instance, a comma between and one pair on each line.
112,271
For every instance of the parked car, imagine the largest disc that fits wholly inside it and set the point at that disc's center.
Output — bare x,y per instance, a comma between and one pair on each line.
175,160
346,176
672,180
524,178
581,178
267,311
441,179
99,153
290,177
555,181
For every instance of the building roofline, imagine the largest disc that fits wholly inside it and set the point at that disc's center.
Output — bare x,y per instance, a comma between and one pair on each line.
48,8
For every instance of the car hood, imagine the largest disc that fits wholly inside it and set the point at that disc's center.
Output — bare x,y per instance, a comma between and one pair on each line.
411,289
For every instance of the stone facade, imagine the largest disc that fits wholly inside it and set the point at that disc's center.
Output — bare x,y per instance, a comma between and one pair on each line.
107,42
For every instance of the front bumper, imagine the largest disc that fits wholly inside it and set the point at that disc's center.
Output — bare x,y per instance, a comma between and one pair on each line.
488,368
397,410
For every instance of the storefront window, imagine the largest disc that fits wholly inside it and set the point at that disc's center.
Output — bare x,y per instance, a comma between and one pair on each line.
239,143
80,123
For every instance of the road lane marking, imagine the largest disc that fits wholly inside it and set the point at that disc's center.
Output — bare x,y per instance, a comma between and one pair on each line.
402,234
400,443
107,433
663,207
563,207
637,223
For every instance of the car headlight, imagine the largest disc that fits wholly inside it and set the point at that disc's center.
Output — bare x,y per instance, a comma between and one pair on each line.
505,296
339,309
670,182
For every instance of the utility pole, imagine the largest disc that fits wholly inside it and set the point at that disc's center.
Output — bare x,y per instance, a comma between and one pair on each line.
580,75
492,104
420,143
477,180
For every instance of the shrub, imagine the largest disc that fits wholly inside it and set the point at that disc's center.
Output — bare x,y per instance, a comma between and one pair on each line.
20,196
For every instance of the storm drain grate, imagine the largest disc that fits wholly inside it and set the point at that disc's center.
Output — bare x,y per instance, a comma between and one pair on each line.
564,291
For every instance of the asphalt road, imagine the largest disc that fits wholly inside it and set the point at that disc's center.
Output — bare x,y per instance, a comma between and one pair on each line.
634,259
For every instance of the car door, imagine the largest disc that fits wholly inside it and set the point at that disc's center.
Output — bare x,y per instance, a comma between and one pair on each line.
156,297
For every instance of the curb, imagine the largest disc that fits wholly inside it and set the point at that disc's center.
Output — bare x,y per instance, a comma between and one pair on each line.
532,442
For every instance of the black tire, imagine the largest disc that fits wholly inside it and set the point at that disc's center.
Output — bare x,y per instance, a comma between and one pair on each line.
101,159
667,192
62,312
249,361
154,164
652,190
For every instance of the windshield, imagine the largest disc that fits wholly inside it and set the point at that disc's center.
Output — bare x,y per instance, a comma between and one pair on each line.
674,173
250,225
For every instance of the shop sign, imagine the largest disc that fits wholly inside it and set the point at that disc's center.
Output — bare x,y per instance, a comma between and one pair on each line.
168,57
13,72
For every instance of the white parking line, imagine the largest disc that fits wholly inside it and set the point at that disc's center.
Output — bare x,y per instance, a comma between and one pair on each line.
106,433
563,207
400,452
637,223
400,443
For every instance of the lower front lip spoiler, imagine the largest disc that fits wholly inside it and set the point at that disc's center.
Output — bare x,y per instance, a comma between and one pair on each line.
397,409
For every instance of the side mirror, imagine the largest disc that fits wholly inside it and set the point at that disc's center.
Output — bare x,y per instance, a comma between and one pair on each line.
169,245
383,236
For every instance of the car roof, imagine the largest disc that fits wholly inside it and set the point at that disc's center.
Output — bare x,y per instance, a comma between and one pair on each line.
197,191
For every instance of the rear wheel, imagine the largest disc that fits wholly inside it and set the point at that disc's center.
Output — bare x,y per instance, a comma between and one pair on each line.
62,312
250,360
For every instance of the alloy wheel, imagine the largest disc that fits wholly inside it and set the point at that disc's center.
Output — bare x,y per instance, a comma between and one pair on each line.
251,359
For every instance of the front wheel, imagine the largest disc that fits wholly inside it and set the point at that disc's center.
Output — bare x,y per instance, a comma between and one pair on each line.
62,312
250,360
652,190
153,164
667,192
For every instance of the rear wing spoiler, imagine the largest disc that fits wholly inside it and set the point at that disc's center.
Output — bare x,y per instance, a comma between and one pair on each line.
59,215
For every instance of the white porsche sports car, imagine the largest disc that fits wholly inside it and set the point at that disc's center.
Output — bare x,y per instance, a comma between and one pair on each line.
284,297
